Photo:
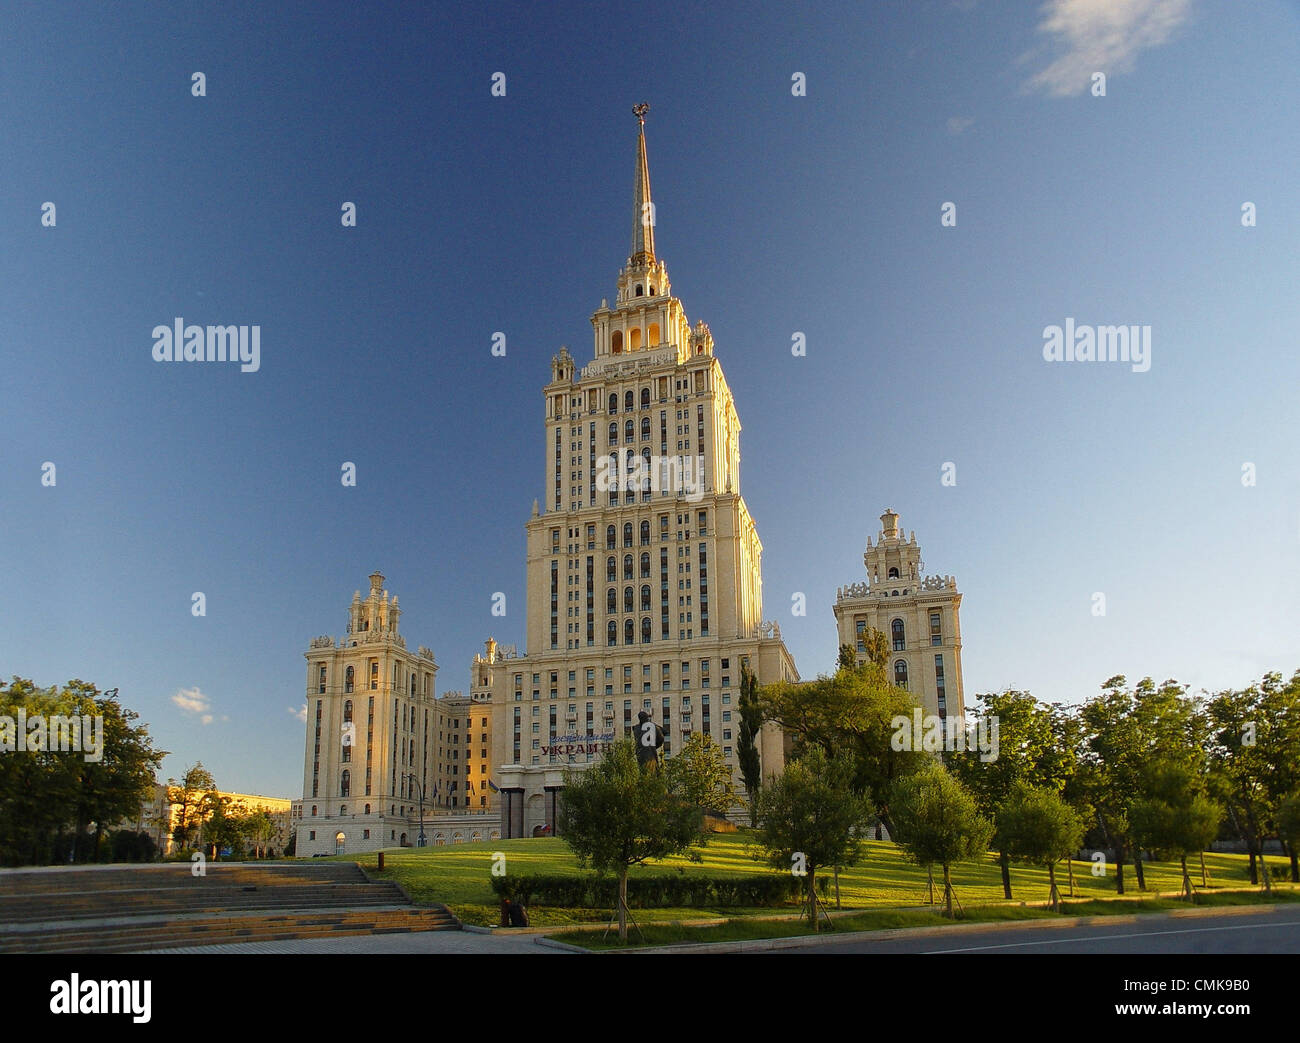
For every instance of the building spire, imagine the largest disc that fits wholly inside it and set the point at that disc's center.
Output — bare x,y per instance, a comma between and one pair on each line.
643,230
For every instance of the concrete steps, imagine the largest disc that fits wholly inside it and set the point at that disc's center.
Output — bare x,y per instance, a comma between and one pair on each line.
133,908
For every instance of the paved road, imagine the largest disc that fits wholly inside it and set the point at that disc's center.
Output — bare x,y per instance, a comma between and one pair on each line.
1275,930
425,942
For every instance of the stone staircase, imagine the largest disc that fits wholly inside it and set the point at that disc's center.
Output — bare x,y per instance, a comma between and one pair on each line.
134,908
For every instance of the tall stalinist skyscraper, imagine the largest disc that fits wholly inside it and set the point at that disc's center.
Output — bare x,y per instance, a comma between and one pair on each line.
644,579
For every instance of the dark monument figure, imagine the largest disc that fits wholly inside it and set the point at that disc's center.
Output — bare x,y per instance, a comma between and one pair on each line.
649,738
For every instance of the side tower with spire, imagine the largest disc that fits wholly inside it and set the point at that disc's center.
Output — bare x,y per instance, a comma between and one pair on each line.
918,614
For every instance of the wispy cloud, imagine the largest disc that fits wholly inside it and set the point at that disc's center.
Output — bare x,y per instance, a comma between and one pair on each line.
1101,36
300,713
192,701
957,124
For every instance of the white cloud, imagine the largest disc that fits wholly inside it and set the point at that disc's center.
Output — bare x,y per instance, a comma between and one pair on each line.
192,701
957,124
300,713
1101,36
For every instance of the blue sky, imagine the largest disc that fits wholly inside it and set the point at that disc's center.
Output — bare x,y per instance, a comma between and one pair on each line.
776,213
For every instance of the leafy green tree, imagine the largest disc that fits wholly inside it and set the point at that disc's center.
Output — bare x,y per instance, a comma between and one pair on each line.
811,818
190,798
1176,818
699,773
751,721
1288,828
1035,825
1122,731
1028,753
939,823
1255,757
851,712
614,816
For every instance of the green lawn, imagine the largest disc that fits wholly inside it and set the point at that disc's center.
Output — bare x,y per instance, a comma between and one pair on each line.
459,876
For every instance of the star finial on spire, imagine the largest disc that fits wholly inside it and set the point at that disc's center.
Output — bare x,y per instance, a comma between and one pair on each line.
640,110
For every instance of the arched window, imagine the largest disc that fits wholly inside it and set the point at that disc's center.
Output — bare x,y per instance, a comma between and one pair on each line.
627,535
611,537
629,402
612,631
645,630
367,809
645,566
611,600
629,604
343,810
645,597
640,292
613,402
347,710
645,427
613,433
627,566
893,573
345,784
634,339
629,633
896,629
900,673
611,568
616,342
652,334
347,752
412,686
652,290
347,683
629,429
313,809
645,398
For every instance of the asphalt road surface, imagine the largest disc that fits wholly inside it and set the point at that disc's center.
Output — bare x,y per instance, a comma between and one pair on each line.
1275,930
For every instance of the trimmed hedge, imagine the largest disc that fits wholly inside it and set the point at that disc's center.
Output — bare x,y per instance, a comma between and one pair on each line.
647,892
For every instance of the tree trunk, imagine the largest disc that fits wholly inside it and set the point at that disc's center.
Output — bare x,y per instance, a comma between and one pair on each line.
1205,877
1187,880
929,875
622,906
1053,895
837,887
1295,866
812,898
1119,870
1264,874
947,890
1004,860
1137,868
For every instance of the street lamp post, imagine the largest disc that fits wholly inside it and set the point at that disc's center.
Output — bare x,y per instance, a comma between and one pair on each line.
417,782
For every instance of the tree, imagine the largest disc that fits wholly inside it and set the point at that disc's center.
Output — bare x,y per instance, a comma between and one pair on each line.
699,773
938,823
1288,829
1255,757
810,818
1028,753
851,712
190,797
1123,731
1176,818
1035,825
751,720
614,816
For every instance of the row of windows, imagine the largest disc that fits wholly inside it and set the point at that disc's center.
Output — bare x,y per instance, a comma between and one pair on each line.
898,633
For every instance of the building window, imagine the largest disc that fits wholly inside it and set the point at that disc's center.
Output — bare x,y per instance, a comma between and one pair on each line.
896,629
893,573
347,684
900,673
936,629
